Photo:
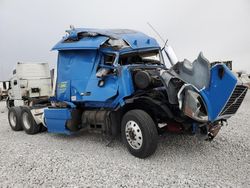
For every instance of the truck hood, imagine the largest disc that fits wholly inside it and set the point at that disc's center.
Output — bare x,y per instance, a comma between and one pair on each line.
207,93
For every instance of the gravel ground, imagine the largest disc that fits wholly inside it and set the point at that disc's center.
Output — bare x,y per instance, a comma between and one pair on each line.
82,160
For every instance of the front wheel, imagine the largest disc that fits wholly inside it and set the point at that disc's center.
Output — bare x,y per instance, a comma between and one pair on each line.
139,133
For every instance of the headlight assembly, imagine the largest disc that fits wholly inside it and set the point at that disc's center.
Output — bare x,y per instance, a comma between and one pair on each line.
194,107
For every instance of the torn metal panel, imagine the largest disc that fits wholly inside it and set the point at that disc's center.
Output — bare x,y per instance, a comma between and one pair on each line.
196,73
172,85
192,104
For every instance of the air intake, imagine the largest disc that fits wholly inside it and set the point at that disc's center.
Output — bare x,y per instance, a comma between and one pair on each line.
235,100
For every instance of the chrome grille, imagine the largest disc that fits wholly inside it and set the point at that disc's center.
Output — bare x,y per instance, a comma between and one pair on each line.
235,100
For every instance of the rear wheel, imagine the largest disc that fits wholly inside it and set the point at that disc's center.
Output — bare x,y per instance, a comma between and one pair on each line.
29,124
14,117
139,133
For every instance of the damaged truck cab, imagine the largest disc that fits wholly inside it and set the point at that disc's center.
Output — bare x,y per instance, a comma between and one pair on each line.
116,81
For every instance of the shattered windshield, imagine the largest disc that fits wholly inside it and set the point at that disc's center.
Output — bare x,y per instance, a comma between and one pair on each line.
148,57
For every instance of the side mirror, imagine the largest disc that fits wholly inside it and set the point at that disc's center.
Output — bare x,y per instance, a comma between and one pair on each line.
102,72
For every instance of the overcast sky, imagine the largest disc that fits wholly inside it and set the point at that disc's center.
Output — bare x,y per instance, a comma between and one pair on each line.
219,28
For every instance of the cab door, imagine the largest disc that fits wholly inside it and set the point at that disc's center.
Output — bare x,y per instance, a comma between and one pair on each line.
103,83
15,91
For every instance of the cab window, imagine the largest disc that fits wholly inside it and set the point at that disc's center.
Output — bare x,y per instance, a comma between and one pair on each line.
109,59
148,57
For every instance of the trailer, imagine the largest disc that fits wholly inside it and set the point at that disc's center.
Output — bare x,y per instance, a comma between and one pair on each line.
118,82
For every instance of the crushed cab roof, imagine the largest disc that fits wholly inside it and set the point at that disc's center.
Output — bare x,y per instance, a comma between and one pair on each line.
86,38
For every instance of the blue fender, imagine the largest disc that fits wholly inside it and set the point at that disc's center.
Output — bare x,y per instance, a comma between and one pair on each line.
56,119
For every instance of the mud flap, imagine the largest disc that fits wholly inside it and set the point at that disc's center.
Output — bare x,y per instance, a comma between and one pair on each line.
213,130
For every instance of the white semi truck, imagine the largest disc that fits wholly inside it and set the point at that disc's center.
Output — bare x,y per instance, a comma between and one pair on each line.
30,83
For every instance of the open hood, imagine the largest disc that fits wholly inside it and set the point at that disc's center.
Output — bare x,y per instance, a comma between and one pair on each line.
206,93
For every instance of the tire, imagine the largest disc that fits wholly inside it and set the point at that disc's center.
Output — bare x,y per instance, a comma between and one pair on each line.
28,123
139,133
14,117
43,129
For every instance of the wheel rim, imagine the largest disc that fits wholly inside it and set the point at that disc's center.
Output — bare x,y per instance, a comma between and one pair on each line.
133,134
26,122
12,119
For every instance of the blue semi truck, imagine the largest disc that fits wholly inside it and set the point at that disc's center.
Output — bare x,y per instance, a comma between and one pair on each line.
118,82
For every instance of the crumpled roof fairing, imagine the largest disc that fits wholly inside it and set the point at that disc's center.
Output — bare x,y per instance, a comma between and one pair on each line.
82,38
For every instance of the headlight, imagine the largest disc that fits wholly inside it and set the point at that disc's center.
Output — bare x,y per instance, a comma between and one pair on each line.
194,107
